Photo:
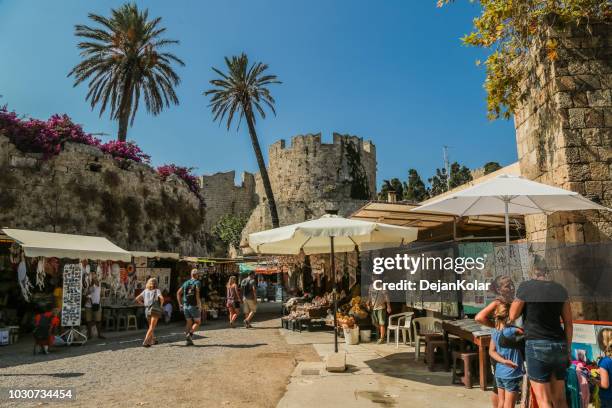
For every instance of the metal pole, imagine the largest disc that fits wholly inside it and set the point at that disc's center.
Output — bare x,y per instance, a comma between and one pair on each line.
333,266
507,220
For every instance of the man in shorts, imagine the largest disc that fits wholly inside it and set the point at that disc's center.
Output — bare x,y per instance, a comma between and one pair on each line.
379,304
188,298
249,297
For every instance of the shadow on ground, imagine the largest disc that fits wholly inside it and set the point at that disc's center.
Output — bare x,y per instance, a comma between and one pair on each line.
403,365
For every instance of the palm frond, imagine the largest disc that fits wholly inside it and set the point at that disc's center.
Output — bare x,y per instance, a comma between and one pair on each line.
122,58
242,89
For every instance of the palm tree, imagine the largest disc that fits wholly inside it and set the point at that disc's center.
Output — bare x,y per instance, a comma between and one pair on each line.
123,58
242,92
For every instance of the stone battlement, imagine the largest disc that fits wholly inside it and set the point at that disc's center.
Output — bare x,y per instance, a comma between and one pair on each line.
310,143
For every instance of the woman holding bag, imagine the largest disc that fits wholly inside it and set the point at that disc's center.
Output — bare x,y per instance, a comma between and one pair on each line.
152,299
232,300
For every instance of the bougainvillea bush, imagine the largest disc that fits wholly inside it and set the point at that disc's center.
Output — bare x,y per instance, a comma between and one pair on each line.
48,137
125,150
184,173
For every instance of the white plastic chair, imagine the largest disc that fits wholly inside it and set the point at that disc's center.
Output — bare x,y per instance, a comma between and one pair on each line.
402,326
421,327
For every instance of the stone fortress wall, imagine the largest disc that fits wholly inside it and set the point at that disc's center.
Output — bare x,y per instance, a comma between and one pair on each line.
222,197
564,129
310,177
84,191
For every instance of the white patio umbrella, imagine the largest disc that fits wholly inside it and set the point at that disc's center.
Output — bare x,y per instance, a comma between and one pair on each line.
508,194
329,234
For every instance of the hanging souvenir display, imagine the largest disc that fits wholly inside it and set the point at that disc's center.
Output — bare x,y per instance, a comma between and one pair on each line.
40,273
86,273
24,282
52,266
15,254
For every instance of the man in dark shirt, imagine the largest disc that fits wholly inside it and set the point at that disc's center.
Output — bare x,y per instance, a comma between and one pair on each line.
249,295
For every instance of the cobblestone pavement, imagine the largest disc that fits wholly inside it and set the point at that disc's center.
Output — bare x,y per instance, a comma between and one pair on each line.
225,368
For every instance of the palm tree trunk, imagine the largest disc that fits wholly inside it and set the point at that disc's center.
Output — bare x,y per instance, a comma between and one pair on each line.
124,111
262,166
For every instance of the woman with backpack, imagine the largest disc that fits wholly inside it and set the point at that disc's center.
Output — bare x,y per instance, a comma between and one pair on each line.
152,299
232,301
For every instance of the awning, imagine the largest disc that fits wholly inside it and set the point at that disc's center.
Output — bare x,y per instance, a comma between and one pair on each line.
155,254
50,244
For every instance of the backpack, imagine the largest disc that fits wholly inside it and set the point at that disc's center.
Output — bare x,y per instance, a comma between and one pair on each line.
246,287
43,328
191,295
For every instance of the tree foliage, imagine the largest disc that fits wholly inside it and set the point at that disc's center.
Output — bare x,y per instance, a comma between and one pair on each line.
391,185
458,175
508,28
490,167
415,190
123,59
229,229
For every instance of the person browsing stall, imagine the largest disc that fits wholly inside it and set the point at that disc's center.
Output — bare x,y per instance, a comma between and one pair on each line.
378,302
93,310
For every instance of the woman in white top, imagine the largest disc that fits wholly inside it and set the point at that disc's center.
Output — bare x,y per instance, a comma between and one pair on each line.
152,299
93,309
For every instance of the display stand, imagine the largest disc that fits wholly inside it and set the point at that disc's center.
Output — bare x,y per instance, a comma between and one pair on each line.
73,336
71,304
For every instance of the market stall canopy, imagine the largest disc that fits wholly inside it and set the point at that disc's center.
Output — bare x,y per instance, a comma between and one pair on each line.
155,254
313,237
51,244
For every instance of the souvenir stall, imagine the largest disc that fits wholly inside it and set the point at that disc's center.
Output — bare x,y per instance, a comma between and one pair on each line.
312,305
53,271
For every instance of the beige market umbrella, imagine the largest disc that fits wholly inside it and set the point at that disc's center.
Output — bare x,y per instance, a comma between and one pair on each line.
329,234
508,194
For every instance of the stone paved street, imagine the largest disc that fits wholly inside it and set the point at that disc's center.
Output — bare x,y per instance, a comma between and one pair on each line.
226,368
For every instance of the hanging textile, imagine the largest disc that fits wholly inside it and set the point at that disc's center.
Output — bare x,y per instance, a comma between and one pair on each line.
24,282
40,273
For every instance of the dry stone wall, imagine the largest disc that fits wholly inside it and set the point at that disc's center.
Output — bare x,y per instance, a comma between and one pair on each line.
564,129
310,177
84,191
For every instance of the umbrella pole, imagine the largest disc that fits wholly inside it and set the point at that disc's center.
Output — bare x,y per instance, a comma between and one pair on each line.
333,266
507,221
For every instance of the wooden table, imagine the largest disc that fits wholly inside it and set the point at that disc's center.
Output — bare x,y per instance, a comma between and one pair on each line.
482,341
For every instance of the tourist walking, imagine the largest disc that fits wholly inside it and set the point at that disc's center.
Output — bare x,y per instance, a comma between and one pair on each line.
232,301
152,300
543,305
248,288
509,368
188,297
93,311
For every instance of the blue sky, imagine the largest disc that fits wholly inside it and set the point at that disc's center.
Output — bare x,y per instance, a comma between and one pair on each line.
392,71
